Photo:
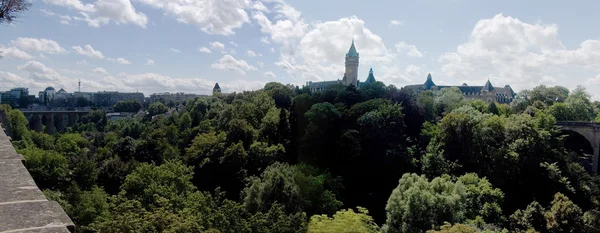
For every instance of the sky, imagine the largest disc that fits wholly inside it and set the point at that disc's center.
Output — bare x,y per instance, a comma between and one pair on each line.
154,46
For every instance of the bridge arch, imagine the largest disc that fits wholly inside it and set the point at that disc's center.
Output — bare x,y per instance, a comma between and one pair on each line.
579,132
580,148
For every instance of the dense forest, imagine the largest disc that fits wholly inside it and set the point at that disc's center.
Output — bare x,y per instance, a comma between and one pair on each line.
282,159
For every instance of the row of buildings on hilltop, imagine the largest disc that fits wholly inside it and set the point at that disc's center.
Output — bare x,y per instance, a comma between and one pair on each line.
20,98
61,98
487,92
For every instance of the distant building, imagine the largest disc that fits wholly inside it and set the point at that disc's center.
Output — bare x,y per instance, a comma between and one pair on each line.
168,97
17,97
487,92
110,98
47,95
216,89
111,116
350,76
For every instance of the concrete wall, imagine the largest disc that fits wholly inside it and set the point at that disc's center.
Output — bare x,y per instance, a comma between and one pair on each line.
23,206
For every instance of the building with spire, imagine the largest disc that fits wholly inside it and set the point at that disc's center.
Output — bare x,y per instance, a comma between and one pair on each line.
350,74
487,92
216,89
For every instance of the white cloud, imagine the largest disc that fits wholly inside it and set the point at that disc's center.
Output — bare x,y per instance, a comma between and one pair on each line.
408,49
269,74
14,53
393,74
227,62
175,50
323,48
219,17
87,50
99,70
40,76
286,32
524,55
103,11
82,62
64,19
231,51
272,50
251,53
217,45
204,50
39,72
396,23
264,40
233,43
260,64
329,41
413,70
38,45
259,6
123,61
150,62
47,12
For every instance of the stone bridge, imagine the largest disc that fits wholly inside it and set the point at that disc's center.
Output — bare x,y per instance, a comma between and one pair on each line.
590,131
23,206
55,120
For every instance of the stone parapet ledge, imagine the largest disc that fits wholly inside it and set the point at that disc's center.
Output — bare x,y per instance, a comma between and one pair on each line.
23,206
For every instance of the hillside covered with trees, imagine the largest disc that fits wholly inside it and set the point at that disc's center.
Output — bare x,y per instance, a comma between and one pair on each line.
281,159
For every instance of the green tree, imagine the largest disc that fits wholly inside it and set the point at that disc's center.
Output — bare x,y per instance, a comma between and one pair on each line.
296,188
127,106
417,204
48,168
157,108
281,94
426,101
344,221
82,102
321,132
72,144
480,106
148,183
493,109
564,215
17,123
185,121
91,205
561,111
548,95
447,100
579,102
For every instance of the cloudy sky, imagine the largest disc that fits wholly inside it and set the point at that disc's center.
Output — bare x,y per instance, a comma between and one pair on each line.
188,45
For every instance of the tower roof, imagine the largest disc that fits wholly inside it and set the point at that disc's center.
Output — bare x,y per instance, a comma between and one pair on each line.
429,83
216,86
488,86
352,51
370,78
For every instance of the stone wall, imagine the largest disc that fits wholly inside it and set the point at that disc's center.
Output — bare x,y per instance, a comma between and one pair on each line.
23,206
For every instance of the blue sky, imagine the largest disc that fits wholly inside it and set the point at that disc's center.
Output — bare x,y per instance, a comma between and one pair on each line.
176,45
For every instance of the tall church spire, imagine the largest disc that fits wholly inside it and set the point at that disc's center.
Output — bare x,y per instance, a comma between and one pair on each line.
351,66
352,51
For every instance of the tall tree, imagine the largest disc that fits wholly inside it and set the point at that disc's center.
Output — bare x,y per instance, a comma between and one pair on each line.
10,9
